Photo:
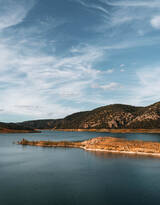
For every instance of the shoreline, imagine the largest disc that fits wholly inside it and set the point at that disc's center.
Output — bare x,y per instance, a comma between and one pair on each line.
142,131
101,150
124,152
12,131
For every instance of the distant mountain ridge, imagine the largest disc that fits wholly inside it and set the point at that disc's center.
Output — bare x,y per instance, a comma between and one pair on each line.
14,128
116,116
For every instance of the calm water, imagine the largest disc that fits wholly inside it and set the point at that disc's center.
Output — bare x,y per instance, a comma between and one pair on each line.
58,176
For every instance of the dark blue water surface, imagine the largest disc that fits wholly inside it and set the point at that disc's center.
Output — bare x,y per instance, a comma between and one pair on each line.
59,176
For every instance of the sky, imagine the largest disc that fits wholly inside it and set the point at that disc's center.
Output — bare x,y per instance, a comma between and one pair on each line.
58,57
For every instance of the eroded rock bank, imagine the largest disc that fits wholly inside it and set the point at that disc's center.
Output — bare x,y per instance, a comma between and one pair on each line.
105,144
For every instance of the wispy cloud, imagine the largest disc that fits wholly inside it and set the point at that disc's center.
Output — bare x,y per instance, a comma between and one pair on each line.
93,6
39,81
110,71
155,22
134,15
127,3
148,88
107,87
110,86
13,12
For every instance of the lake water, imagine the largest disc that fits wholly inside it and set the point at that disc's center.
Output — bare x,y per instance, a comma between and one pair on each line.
59,176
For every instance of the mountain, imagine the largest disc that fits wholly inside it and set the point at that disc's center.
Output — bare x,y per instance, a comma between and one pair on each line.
14,128
116,116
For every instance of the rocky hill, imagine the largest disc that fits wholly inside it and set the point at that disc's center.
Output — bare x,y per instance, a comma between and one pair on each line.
116,116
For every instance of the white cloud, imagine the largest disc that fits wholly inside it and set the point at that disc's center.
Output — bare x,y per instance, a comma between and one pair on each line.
126,17
122,65
155,22
38,83
147,88
13,12
94,6
107,87
41,85
110,71
135,15
135,3
110,86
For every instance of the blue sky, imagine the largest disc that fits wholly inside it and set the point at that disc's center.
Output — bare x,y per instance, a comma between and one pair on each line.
63,56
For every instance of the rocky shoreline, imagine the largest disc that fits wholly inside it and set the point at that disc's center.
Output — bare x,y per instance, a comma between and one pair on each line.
104,144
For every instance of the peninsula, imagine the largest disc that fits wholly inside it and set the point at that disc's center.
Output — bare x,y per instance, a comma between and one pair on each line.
105,144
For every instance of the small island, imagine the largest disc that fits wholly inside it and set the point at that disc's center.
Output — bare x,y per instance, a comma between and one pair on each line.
105,144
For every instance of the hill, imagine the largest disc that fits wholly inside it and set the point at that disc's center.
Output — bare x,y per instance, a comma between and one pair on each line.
116,116
14,128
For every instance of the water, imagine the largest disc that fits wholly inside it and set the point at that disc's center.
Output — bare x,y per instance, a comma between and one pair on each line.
59,176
